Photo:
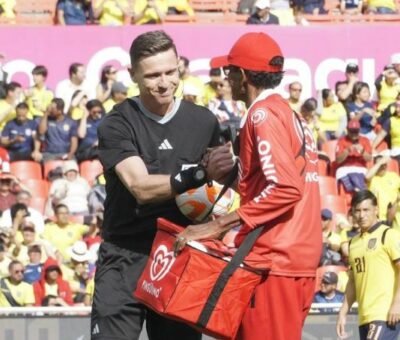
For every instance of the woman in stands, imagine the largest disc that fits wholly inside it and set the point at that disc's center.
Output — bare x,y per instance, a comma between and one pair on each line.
107,79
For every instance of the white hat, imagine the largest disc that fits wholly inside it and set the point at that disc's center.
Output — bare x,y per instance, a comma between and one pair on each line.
70,165
262,4
395,58
190,90
79,252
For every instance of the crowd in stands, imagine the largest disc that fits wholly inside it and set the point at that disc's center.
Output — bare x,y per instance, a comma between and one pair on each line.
139,12
52,208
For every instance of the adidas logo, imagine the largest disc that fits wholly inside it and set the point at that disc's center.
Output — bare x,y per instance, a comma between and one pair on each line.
165,145
178,177
95,329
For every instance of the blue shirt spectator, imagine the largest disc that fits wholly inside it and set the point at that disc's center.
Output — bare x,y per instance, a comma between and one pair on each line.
366,125
328,292
59,134
18,134
73,12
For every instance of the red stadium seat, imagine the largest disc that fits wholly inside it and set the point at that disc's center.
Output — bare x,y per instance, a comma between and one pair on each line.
329,147
327,185
393,165
50,165
37,187
90,170
335,203
26,170
38,203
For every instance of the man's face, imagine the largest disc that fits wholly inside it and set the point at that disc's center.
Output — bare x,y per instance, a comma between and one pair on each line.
237,83
295,91
62,215
34,257
365,214
96,112
5,184
24,198
38,79
71,175
28,235
53,111
16,94
158,78
328,288
17,272
22,115
120,96
80,74
52,274
354,135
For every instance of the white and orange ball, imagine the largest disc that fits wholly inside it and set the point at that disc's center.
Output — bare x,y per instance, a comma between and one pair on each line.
196,203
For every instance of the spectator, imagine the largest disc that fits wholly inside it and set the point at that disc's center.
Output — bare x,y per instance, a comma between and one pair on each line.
352,154
390,129
18,135
8,104
331,240
262,14
58,133
210,89
74,12
107,79
34,267
76,81
395,61
387,87
224,107
190,84
4,257
14,292
24,197
62,233
119,93
180,7
346,235
71,190
87,131
344,89
7,196
190,93
282,9
313,6
149,11
308,111
361,108
5,239
7,10
78,105
295,89
3,78
51,282
38,97
112,12
381,6
78,273
328,292
333,117
53,301
351,7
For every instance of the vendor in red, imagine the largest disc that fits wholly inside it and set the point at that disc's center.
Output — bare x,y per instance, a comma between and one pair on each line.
352,154
278,187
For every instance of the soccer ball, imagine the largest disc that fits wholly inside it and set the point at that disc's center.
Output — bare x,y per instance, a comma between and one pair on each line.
196,203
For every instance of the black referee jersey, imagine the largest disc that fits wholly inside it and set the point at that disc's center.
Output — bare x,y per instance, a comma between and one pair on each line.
177,140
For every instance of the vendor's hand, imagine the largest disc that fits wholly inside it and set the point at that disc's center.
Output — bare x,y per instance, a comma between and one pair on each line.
204,231
219,161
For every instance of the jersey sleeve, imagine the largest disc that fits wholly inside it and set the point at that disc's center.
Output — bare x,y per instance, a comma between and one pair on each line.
116,141
392,244
284,184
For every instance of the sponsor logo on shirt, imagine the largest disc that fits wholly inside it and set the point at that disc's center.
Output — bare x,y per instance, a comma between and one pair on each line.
258,116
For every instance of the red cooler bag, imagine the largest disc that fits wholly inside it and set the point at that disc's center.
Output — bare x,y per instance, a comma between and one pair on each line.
197,287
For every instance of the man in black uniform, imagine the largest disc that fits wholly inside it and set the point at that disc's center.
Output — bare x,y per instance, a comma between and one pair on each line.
150,147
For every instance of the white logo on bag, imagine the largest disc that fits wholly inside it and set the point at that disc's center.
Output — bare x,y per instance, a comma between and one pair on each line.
162,263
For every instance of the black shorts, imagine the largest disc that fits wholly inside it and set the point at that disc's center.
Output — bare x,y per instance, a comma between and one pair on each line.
116,314
379,330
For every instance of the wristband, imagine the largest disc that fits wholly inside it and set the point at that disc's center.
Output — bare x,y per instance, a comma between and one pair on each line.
190,178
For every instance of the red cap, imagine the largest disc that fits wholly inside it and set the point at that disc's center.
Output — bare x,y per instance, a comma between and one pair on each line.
354,124
253,51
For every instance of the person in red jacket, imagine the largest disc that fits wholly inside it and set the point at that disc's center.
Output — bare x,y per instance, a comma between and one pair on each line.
51,283
278,187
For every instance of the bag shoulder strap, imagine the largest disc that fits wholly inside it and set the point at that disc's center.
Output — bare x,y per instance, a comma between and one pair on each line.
6,292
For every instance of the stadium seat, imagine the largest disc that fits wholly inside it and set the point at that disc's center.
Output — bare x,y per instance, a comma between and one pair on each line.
335,203
90,170
38,203
393,165
329,147
26,170
37,187
39,12
327,185
50,165
178,19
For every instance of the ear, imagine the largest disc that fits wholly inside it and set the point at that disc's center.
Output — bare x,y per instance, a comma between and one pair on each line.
132,73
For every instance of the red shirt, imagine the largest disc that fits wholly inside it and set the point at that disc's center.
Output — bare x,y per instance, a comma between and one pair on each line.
279,188
354,158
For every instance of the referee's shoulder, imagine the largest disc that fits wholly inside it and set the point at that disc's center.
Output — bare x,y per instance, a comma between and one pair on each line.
198,111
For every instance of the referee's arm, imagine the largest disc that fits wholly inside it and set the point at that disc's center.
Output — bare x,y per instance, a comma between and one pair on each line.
349,299
144,187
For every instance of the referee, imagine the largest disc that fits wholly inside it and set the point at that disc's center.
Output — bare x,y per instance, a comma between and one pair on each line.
374,257
150,147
